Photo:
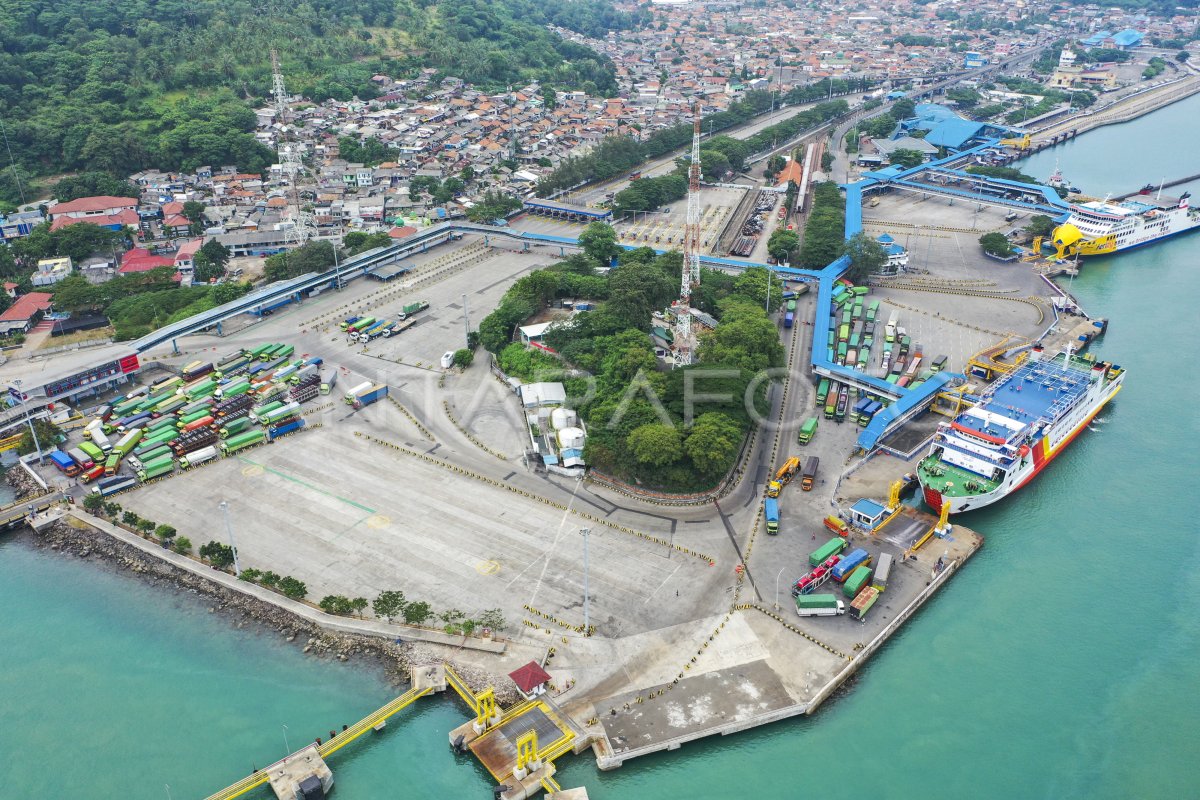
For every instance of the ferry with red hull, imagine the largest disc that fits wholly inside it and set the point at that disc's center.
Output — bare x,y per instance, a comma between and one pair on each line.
1020,424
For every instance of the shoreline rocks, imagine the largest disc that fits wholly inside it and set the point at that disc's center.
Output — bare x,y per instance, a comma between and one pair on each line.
16,477
391,659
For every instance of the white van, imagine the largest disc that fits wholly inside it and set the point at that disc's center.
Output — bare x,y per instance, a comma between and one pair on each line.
448,359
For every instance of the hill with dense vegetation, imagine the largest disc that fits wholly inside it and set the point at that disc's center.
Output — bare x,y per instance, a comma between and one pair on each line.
122,85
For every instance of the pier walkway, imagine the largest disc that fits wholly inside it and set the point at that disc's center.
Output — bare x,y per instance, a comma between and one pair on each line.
251,782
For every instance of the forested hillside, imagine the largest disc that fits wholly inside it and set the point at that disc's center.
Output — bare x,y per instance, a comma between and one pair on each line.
120,85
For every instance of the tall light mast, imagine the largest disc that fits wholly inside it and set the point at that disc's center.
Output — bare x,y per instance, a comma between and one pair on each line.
685,341
299,223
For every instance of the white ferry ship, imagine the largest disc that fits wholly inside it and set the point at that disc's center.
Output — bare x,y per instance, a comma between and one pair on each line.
1021,423
1101,227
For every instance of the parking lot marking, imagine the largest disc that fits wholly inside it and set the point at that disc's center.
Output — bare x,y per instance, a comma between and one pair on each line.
303,483
488,567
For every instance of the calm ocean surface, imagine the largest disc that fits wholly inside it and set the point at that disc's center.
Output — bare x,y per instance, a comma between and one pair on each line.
1062,662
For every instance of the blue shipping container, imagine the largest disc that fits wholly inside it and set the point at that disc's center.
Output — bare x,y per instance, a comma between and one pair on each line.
848,564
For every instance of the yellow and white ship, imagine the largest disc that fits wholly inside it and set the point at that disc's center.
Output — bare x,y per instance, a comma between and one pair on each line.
1101,227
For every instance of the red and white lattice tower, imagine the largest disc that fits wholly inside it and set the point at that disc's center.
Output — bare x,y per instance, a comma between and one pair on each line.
685,340
298,223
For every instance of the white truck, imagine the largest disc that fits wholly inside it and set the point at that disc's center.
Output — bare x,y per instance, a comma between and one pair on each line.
819,605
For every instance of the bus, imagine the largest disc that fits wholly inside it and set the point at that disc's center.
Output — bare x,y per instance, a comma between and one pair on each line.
808,430
822,391
872,310
939,364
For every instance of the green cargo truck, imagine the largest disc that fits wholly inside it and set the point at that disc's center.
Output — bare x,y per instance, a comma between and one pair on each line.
156,469
242,441
808,430
234,427
857,580
819,605
826,551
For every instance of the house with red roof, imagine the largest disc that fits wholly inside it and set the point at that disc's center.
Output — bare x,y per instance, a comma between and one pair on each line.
25,313
103,210
185,258
530,679
139,259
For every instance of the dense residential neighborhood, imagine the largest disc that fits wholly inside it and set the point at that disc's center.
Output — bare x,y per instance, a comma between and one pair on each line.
429,147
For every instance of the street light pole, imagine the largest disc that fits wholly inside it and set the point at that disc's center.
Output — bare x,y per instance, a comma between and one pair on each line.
224,506
29,420
778,575
466,324
286,746
586,627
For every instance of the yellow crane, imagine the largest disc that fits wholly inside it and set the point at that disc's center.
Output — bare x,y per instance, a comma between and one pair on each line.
783,477
1021,142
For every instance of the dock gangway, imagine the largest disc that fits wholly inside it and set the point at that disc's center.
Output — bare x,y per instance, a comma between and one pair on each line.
251,782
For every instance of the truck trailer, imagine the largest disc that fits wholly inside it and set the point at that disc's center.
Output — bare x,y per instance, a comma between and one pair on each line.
771,512
243,440
409,309
809,475
819,605
370,396
199,456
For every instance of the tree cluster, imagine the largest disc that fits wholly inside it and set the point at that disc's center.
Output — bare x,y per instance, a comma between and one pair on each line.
825,231
641,427
119,87
618,154
284,584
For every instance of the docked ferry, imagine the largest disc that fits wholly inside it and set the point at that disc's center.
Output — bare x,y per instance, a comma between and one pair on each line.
1100,227
1021,423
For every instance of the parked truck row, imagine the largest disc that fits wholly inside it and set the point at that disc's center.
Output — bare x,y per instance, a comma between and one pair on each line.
212,409
360,330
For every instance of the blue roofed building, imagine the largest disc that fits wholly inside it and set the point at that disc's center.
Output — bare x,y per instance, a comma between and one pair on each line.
954,134
1121,40
867,514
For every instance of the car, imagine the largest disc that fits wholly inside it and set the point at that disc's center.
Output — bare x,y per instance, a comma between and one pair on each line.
447,359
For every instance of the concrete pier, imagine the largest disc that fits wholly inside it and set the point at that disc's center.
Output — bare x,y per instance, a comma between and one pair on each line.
303,775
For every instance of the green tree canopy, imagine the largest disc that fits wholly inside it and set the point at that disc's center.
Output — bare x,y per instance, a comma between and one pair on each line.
656,444
713,442
599,243
904,157
996,244
92,184
867,257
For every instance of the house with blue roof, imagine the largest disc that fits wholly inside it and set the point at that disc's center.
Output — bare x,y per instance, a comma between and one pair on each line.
897,256
1121,40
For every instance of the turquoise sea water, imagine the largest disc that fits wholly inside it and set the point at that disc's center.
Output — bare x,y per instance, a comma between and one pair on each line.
1061,663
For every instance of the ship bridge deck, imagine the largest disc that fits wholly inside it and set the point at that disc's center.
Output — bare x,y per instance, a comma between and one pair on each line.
1036,390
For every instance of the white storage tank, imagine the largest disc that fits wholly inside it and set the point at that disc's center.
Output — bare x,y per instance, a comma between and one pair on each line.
570,438
561,418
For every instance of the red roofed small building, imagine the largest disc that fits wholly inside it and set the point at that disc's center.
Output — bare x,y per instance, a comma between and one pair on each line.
402,233
25,313
185,259
139,259
171,208
792,172
176,225
530,679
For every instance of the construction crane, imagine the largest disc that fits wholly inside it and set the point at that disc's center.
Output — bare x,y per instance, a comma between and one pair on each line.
685,340
299,224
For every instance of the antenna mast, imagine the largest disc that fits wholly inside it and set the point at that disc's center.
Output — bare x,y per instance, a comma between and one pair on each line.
684,340
299,224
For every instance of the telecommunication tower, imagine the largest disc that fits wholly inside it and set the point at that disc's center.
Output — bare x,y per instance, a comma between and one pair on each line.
298,223
685,341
